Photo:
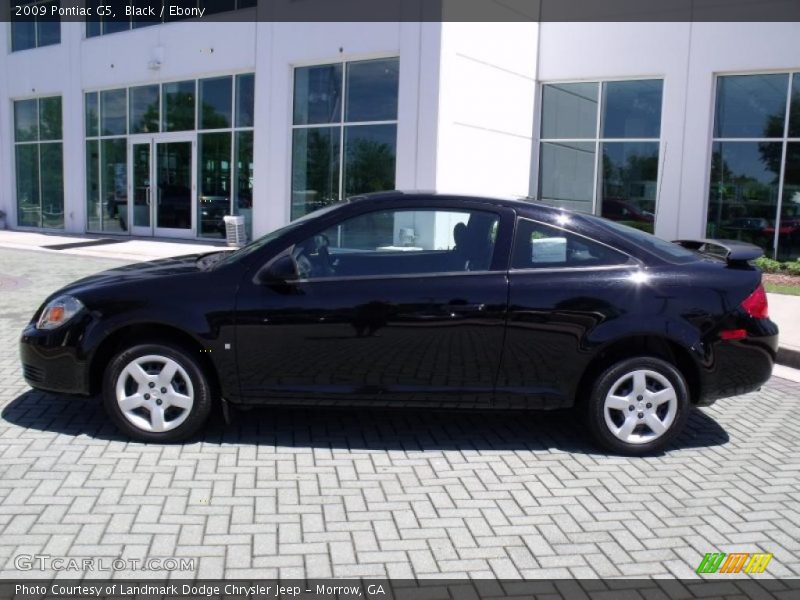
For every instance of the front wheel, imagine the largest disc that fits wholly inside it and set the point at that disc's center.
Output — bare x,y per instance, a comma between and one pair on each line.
638,405
156,393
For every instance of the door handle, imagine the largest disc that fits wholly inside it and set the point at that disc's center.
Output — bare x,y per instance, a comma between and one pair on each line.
147,193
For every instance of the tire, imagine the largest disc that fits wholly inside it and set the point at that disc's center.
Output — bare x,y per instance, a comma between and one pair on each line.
146,403
637,406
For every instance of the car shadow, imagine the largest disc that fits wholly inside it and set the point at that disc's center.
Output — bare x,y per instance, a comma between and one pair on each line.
356,428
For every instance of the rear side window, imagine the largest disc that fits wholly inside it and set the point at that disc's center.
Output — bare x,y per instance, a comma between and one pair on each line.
647,241
540,246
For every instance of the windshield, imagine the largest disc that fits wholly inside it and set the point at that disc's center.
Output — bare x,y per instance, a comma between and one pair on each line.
274,235
655,245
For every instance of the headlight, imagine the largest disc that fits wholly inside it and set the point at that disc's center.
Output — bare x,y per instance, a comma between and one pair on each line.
59,311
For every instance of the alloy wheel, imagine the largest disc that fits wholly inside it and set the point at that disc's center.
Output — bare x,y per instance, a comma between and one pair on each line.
640,406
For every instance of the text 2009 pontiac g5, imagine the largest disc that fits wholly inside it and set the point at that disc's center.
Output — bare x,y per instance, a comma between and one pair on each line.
418,300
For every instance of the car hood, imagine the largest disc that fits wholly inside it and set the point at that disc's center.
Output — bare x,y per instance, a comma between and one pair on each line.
145,271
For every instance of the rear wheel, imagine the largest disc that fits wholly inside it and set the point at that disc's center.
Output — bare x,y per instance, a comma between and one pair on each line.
638,405
156,393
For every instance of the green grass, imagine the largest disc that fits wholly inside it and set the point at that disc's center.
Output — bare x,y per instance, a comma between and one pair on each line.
790,290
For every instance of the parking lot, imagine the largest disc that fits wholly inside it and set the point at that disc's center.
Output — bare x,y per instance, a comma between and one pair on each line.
353,493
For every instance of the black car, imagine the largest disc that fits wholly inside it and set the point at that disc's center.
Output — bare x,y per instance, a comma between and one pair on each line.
424,300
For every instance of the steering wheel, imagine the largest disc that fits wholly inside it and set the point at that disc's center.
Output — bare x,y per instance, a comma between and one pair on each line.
313,258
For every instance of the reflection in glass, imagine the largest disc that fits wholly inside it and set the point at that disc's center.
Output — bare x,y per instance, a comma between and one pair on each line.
789,234
632,109
94,208
26,121
52,169
318,94
114,188
216,101
370,155
372,90
566,174
48,27
177,111
142,190
144,103
628,183
23,35
91,114
50,118
113,112
174,181
29,213
750,106
794,108
214,201
569,110
245,100
744,192
243,188
315,169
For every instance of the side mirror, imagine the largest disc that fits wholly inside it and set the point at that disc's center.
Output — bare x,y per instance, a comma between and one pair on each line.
280,270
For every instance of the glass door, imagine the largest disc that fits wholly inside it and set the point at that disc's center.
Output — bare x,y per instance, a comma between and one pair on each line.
162,176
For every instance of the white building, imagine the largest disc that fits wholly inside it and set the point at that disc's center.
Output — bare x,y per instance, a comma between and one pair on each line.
690,129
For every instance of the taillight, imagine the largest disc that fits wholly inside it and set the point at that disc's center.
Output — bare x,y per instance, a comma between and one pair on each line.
756,304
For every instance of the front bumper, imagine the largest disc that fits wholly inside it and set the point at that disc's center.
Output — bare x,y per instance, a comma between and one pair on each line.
54,360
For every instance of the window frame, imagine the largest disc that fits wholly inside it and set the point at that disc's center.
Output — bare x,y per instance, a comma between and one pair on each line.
598,140
35,21
784,140
501,253
341,124
632,261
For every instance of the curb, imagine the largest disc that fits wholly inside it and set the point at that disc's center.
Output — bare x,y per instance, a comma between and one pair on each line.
788,357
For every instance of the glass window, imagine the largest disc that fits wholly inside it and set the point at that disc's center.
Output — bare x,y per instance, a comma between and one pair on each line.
655,245
34,31
243,188
245,100
400,242
368,151
215,182
628,183
318,94
94,209
50,118
26,120
789,233
540,246
569,110
143,110
113,112
372,90
29,208
750,106
315,169
92,114
114,184
216,101
632,109
794,110
581,170
566,174
744,191
39,166
178,106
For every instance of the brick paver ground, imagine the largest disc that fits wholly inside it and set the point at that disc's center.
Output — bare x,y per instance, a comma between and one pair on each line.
314,493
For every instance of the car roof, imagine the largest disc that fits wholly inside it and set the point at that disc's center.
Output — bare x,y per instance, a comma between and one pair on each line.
517,202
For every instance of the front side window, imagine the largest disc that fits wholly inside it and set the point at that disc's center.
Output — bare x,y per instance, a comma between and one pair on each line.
35,25
344,134
38,153
400,242
540,246
756,141
599,149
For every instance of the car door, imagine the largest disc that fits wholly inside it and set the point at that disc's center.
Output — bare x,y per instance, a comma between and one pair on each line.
387,306
563,289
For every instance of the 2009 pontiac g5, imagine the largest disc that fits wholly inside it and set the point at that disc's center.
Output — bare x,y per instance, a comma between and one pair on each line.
421,300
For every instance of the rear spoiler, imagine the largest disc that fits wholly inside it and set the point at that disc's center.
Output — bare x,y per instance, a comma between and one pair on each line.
733,251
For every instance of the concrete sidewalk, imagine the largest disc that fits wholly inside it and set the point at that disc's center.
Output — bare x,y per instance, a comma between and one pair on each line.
784,310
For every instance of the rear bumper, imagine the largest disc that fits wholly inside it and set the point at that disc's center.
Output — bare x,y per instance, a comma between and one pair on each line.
53,360
735,367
